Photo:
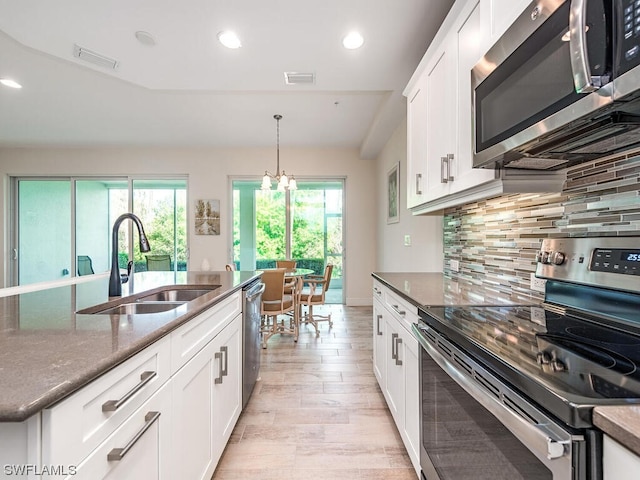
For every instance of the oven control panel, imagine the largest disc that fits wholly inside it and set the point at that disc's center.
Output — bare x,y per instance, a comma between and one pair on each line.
609,262
616,260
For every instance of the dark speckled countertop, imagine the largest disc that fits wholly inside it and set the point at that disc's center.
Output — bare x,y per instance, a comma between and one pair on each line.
434,289
48,351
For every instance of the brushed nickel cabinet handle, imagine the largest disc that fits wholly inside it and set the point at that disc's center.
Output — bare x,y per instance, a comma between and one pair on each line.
218,356
113,405
398,342
443,178
378,318
398,311
225,351
449,160
394,345
117,454
418,182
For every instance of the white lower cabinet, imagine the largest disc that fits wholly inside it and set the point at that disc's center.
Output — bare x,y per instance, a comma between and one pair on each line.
139,449
207,400
165,413
618,462
396,364
227,388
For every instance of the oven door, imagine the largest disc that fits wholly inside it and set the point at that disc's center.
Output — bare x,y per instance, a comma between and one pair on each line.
526,85
475,427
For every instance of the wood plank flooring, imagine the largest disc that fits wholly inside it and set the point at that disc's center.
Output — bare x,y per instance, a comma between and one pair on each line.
317,412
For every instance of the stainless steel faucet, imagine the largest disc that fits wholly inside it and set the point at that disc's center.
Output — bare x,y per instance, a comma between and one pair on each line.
115,280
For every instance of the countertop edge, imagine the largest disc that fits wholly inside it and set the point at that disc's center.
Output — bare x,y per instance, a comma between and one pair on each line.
621,423
21,412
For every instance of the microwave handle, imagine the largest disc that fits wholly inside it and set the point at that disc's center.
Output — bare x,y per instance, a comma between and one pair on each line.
582,79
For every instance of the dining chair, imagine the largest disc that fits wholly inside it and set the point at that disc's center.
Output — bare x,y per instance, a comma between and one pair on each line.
276,302
231,267
289,283
85,266
314,295
158,263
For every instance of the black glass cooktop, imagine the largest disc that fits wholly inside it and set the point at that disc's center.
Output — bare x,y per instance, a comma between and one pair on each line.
566,363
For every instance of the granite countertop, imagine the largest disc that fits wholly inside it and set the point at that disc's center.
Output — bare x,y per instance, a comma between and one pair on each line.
48,351
425,290
435,289
621,423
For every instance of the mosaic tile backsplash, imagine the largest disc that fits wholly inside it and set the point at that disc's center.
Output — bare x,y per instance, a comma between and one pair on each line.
496,240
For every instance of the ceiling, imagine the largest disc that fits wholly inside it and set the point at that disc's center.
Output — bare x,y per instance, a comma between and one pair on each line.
189,90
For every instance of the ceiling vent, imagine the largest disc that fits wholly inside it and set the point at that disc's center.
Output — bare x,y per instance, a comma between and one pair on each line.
297,78
93,57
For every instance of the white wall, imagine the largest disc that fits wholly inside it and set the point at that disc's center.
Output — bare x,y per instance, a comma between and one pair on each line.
425,254
209,171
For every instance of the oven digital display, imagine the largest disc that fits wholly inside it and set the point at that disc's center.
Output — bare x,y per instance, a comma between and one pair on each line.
632,256
623,261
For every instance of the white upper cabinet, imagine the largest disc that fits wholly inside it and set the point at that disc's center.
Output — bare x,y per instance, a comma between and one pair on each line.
502,13
440,171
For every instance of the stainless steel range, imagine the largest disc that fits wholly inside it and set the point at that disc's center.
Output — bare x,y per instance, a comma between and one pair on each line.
508,391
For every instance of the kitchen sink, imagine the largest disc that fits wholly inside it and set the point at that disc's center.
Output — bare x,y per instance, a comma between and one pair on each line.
138,308
176,295
158,301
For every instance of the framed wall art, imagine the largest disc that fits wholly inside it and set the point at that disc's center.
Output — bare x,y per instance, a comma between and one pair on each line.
393,194
207,217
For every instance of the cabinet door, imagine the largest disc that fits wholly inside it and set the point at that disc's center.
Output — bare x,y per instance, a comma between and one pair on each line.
379,343
140,449
501,14
192,391
618,462
439,128
417,143
466,41
410,359
394,391
227,384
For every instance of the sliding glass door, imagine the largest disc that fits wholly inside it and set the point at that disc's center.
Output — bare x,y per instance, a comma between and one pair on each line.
305,224
62,226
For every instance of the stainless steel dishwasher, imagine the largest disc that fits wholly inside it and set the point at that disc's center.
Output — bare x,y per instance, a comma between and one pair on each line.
252,294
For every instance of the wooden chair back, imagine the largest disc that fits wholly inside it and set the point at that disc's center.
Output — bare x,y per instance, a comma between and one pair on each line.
158,262
288,264
273,284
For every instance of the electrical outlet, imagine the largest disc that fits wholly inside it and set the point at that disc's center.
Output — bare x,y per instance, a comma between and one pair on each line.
538,284
407,240
538,316
454,265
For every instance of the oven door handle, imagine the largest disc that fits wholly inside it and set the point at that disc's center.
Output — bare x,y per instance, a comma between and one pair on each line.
548,442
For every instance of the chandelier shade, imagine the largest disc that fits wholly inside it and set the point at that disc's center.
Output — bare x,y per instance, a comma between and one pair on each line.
283,182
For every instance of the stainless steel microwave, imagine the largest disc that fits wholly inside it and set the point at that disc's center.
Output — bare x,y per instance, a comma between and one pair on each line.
560,87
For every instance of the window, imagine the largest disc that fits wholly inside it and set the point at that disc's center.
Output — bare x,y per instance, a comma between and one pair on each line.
305,225
62,226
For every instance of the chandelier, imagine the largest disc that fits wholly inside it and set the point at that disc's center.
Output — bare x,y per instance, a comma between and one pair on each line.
283,182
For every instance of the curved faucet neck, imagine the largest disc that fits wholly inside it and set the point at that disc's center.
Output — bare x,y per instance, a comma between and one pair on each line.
115,281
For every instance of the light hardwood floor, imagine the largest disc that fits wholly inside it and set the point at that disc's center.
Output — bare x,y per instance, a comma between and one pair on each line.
317,412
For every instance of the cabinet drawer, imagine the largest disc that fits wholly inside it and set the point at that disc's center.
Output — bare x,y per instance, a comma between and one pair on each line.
188,339
78,424
405,312
145,439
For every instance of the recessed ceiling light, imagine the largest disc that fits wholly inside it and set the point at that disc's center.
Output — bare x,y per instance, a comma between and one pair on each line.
145,38
229,39
352,41
7,82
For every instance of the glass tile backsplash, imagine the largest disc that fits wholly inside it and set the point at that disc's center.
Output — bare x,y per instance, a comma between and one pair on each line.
496,240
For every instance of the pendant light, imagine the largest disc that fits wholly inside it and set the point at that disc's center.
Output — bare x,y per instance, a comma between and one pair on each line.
282,181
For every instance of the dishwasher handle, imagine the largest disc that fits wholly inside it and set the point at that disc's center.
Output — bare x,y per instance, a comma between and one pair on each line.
255,290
